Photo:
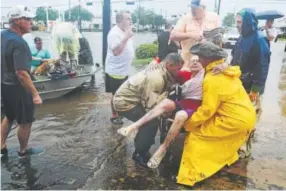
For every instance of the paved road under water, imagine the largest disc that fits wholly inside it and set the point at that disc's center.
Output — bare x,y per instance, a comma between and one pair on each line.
83,150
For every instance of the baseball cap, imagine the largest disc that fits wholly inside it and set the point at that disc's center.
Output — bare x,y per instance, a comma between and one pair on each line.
197,3
20,11
208,49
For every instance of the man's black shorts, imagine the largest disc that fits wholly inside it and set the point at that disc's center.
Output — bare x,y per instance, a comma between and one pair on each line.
112,84
18,104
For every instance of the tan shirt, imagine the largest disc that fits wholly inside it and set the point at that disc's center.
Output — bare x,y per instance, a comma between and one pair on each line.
147,88
188,24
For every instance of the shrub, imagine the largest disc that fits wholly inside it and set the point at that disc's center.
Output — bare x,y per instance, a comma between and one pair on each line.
147,50
35,28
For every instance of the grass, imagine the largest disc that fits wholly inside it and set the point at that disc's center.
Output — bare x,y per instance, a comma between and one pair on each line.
282,39
144,61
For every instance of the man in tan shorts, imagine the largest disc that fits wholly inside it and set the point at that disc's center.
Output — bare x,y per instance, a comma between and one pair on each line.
189,29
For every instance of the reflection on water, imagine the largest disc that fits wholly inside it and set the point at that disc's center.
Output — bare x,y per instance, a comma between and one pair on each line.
268,167
282,87
21,172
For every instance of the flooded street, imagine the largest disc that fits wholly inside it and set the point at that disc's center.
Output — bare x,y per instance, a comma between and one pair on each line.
83,150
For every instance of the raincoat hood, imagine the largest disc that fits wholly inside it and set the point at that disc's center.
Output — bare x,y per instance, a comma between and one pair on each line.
233,71
249,31
249,25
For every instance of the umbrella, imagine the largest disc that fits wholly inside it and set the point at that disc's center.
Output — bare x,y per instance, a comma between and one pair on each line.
265,15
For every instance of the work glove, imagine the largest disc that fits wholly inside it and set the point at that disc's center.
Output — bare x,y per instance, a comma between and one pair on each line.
255,92
176,93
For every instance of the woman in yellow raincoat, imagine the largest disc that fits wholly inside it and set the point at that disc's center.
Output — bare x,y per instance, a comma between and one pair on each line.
221,125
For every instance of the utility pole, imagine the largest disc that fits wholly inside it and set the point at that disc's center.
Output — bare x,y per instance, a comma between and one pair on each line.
138,17
79,16
215,5
47,17
69,9
219,3
106,20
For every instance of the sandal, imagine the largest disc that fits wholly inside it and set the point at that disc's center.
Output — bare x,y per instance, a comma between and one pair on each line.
156,159
128,132
116,120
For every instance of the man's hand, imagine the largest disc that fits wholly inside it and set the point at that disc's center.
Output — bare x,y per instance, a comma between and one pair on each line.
46,59
128,33
120,47
199,37
219,68
254,93
37,100
36,58
254,96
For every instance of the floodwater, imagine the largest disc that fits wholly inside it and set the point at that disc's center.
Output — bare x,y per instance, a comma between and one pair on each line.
83,150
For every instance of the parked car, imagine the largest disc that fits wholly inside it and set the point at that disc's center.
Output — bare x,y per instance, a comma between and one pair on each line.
230,37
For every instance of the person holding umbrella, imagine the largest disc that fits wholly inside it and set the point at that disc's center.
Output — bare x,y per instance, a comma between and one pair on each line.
269,31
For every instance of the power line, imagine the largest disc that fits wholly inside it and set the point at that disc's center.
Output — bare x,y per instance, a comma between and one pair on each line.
162,1
99,2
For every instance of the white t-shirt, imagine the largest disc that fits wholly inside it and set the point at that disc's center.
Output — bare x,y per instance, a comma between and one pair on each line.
118,65
272,32
193,88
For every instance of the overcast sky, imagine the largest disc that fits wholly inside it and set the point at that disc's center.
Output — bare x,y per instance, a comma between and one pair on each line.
160,6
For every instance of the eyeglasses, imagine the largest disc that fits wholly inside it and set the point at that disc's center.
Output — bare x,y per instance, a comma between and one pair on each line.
25,18
195,60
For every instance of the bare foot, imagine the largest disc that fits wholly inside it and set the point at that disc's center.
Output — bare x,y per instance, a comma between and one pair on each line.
129,131
157,157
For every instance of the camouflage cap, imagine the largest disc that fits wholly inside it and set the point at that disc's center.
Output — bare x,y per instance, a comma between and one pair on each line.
208,50
214,35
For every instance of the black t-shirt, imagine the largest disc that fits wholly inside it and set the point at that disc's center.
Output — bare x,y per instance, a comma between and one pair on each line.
85,56
15,55
163,47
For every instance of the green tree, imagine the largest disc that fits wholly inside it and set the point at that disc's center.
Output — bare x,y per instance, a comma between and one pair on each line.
42,16
141,16
150,16
134,17
85,15
159,20
229,20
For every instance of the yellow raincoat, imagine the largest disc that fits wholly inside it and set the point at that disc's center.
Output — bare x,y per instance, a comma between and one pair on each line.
218,128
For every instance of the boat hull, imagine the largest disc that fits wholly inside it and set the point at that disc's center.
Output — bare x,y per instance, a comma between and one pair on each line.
50,89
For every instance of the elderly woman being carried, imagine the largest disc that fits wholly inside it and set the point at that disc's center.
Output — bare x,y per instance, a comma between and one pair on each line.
191,100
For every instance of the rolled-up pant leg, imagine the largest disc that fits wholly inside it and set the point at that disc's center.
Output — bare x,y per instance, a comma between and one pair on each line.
146,136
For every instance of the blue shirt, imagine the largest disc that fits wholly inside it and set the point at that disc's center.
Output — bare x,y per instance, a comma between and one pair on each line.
44,54
15,55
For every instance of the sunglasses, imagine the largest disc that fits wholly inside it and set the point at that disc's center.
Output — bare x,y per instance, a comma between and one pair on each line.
26,19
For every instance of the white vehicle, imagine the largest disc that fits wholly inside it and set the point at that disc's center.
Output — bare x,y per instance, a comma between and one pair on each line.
230,37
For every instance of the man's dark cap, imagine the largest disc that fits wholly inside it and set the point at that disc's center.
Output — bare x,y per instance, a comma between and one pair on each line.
208,50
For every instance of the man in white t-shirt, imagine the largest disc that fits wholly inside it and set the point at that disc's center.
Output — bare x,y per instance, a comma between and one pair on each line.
120,53
270,31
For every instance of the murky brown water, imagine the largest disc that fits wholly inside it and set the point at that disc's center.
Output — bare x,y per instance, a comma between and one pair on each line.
83,150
